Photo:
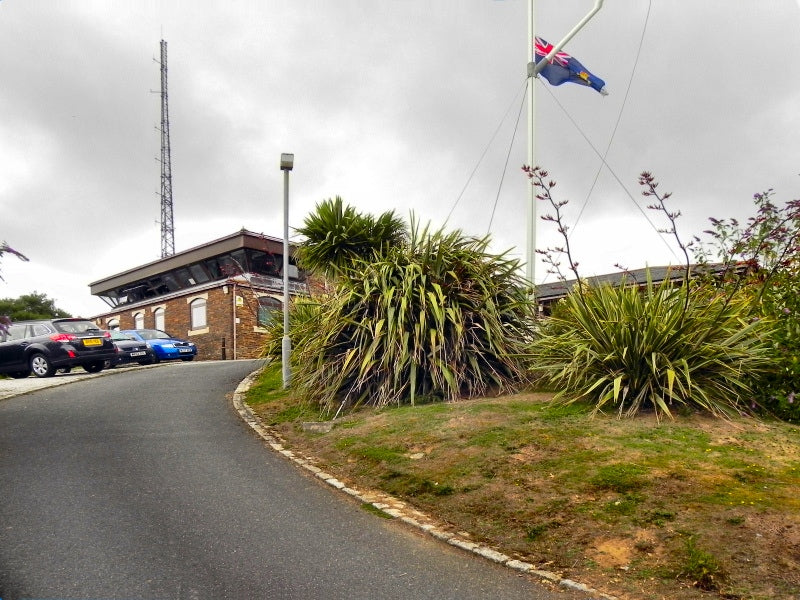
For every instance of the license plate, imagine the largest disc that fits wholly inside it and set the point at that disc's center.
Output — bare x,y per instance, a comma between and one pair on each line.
138,353
93,342
184,349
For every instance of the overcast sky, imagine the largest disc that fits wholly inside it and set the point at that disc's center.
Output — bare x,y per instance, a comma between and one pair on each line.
390,104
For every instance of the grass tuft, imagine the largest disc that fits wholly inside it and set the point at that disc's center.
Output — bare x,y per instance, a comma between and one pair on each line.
701,567
620,478
371,508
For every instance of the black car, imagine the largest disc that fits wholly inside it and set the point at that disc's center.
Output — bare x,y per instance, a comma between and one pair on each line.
131,350
44,346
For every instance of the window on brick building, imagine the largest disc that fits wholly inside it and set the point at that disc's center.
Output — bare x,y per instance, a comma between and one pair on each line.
138,320
158,315
112,324
197,310
268,308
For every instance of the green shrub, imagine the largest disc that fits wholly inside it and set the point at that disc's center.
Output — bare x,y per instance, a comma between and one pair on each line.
304,317
438,317
632,347
762,263
779,389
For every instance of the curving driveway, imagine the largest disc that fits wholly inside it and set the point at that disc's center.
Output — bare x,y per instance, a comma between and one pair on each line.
145,484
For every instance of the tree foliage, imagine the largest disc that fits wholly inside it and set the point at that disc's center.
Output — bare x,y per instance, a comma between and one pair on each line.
31,306
761,260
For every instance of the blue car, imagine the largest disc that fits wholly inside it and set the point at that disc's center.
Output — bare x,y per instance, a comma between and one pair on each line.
164,345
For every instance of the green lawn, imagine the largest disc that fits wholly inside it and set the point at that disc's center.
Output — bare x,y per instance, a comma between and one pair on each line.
692,508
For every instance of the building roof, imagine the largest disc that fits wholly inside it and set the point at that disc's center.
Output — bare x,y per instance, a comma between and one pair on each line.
549,292
241,239
254,255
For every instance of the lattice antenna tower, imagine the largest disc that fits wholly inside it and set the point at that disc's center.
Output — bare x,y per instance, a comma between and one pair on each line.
167,225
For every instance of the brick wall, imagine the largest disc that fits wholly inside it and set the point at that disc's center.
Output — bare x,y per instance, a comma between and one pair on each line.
216,340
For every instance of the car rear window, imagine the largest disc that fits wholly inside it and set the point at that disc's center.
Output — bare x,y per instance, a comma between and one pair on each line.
40,329
75,326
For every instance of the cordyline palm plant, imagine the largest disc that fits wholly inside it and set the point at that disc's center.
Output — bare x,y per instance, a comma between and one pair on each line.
658,346
303,325
437,317
627,348
336,236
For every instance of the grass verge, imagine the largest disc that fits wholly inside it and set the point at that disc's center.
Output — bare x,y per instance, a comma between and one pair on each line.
692,508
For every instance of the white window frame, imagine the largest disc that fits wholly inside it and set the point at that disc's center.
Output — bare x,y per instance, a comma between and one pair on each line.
262,325
198,312
159,315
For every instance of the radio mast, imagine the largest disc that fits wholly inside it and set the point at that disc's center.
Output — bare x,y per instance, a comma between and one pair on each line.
167,226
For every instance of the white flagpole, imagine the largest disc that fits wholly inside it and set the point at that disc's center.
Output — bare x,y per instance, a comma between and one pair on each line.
530,251
533,72
598,4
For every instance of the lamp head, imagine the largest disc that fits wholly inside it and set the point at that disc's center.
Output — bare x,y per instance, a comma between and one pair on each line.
287,162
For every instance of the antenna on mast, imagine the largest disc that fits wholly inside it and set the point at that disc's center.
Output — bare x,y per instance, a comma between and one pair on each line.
167,226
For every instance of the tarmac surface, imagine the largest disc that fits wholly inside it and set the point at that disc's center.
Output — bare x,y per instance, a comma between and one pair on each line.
386,504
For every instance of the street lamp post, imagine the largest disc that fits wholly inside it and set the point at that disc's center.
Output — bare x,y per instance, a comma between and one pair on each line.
287,162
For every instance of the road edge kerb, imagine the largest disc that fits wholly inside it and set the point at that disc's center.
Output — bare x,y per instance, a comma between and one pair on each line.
390,505
55,381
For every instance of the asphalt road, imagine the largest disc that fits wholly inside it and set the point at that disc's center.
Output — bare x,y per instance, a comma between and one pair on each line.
145,484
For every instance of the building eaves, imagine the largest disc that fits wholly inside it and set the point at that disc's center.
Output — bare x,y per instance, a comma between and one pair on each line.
229,243
548,292
133,306
254,282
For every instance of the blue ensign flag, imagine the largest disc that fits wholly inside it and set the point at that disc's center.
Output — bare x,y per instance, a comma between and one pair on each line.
563,68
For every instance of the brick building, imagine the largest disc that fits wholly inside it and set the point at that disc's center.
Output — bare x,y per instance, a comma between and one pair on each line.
220,295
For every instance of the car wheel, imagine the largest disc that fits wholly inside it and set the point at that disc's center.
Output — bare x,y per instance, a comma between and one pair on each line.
187,358
41,366
156,359
20,374
94,367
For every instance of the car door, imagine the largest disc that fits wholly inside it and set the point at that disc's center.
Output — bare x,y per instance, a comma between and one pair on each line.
12,349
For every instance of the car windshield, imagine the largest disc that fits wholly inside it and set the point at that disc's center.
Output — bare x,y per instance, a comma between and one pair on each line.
153,334
76,326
